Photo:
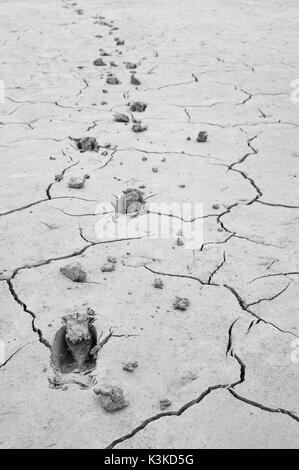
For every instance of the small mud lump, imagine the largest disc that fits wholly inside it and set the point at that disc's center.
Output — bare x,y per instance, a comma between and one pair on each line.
181,303
111,397
138,107
85,144
75,272
202,136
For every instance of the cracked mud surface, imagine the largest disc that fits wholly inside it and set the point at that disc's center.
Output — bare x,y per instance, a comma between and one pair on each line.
225,363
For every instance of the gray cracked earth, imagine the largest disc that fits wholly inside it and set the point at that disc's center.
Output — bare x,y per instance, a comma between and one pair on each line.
229,363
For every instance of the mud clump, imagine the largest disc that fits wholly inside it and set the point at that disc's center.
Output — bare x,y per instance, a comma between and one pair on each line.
165,404
130,366
180,241
111,397
139,127
86,144
73,344
181,303
109,266
138,107
120,117
202,136
99,62
75,182
134,80
130,65
130,202
75,272
112,80
158,283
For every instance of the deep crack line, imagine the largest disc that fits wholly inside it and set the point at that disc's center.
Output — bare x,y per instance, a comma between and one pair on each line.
269,298
179,412
217,269
16,352
26,309
291,414
48,190
245,308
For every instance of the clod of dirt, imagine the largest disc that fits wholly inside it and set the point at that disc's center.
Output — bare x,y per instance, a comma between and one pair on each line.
139,127
181,303
155,170
180,241
158,283
111,397
130,65
144,159
75,182
120,117
216,206
130,366
131,201
59,177
108,267
75,272
120,42
138,107
104,54
85,144
112,80
99,62
134,80
188,138
165,404
202,136
74,342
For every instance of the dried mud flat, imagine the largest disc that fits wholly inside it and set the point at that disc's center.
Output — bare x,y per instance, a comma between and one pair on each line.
198,347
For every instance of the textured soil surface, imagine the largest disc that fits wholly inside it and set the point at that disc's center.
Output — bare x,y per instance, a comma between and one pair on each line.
226,364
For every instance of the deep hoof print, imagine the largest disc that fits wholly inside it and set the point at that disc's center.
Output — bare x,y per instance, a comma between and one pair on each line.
111,397
74,343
